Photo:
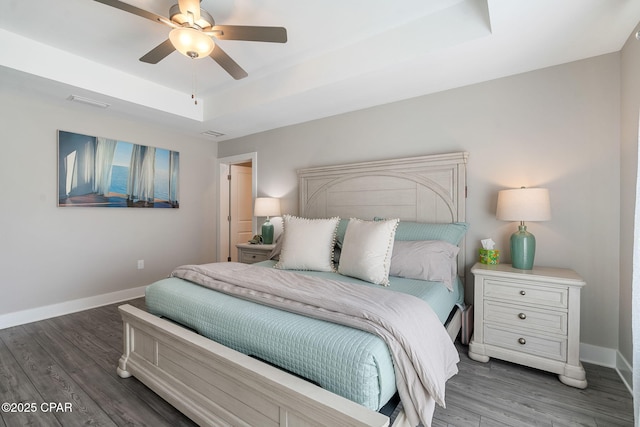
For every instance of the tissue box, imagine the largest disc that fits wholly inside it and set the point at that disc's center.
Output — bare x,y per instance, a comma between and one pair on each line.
489,256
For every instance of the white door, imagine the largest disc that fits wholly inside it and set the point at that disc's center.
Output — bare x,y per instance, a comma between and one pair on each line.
241,207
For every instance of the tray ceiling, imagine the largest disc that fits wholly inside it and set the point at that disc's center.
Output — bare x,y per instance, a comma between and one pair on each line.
340,56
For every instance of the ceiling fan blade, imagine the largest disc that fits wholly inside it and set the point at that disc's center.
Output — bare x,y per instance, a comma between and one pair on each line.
132,9
250,33
158,53
190,7
229,65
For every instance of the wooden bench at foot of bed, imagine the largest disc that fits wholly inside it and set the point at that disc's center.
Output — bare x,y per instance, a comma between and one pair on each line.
215,385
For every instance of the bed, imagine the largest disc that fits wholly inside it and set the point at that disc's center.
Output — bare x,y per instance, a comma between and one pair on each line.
216,385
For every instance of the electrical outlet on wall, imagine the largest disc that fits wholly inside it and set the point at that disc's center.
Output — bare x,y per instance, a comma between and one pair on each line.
140,264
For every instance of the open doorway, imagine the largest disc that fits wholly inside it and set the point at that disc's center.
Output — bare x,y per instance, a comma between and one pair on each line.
237,190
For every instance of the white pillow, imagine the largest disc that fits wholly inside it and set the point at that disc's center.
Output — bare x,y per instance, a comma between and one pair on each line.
307,244
366,250
431,260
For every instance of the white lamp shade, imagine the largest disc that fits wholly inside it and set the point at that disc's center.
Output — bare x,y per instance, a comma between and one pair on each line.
524,204
191,42
266,206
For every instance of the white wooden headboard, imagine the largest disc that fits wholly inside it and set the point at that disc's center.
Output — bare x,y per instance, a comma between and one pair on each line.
423,189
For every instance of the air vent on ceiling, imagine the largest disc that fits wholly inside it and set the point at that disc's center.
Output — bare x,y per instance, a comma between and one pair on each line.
88,101
213,133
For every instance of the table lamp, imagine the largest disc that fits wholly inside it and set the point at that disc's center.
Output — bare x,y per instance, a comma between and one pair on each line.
523,204
267,206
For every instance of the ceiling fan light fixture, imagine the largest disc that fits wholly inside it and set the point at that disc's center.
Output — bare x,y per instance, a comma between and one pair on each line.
191,42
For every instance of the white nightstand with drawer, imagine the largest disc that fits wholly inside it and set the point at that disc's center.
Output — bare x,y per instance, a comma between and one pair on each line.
530,317
248,253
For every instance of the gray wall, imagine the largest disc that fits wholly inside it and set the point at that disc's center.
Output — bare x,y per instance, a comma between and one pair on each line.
50,255
558,128
630,90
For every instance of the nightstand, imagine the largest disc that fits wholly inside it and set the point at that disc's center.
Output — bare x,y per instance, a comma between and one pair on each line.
529,317
248,253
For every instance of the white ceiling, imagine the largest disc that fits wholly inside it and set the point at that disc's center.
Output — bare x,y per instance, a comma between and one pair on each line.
340,55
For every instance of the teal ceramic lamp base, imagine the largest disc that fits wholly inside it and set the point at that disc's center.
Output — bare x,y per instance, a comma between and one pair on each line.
267,232
523,248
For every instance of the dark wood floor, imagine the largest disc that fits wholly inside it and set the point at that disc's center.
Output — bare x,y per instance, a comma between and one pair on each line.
70,362
499,393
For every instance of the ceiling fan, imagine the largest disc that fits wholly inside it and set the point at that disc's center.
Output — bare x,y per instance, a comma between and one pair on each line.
193,32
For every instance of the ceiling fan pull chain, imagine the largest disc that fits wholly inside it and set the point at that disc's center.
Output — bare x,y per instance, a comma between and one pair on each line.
194,87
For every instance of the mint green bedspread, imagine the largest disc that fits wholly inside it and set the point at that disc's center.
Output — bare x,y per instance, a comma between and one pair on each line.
349,362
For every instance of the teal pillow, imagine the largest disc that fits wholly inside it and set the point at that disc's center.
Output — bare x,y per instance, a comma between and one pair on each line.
451,232
341,230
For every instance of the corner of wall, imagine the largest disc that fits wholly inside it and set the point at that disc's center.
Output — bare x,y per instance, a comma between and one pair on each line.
625,371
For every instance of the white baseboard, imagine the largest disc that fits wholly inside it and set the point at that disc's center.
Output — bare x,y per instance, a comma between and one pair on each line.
48,311
610,358
597,355
625,371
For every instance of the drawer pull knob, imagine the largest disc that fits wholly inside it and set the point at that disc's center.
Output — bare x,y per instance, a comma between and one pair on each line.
522,341
523,293
522,316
